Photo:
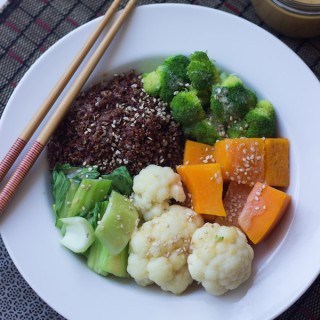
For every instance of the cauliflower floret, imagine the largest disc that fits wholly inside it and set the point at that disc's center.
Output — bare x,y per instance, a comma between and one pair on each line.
153,187
221,258
159,249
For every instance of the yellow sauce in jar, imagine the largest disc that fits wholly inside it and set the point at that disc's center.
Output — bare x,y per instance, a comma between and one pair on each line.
294,18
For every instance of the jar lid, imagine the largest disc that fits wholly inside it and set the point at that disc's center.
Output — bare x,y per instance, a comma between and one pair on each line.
303,7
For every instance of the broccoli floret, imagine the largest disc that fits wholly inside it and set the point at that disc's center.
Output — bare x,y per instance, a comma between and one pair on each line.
201,71
167,78
169,85
178,66
203,131
204,96
223,75
237,129
152,81
199,56
186,108
230,101
232,81
173,76
252,99
261,120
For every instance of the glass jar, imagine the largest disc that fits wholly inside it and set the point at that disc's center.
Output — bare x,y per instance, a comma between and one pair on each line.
293,18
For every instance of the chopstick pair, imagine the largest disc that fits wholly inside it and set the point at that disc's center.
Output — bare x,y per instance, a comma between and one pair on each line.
35,150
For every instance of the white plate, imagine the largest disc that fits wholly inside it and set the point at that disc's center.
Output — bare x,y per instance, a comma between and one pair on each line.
284,266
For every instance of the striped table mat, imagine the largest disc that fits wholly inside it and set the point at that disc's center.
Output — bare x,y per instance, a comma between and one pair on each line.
27,29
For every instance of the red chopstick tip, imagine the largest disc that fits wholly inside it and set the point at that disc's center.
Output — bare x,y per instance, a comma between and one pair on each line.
16,179
11,157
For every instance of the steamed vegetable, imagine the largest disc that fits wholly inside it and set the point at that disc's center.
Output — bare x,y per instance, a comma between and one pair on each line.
186,108
277,162
197,153
241,160
92,221
89,192
117,224
121,180
174,76
210,105
167,78
233,202
152,81
95,215
77,190
261,121
264,208
204,131
230,100
154,187
249,160
221,258
202,72
79,234
74,190
204,183
160,247
102,262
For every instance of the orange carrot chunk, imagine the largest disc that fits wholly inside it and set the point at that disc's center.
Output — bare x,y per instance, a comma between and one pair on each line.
233,202
277,162
264,208
241,160
204,183
197,153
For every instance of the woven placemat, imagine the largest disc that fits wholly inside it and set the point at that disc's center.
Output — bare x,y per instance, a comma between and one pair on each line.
27,29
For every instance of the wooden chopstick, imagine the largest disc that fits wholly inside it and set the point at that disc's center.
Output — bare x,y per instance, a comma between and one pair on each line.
31,127
35,150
